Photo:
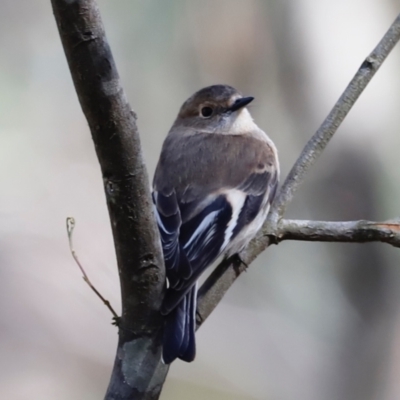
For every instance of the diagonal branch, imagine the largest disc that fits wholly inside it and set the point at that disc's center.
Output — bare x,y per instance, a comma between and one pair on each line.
116,138
212,291
137,372
324,134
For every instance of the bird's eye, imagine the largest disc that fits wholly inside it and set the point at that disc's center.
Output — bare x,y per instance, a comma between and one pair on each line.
206,112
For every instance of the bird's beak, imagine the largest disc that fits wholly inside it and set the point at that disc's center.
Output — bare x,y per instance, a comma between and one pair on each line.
240,103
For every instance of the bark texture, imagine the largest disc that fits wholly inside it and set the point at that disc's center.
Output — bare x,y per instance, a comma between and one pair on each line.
136,373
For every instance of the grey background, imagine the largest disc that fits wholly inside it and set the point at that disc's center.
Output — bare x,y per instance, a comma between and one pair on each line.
308,321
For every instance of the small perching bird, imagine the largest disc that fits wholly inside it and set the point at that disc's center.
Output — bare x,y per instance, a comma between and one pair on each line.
216,178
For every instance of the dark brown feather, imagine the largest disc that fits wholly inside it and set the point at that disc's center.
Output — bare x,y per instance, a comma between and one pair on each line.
204,164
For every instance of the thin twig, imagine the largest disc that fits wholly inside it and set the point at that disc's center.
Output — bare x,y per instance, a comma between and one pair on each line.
70,229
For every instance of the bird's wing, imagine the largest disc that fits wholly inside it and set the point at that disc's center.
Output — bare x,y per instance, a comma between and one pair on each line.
199,214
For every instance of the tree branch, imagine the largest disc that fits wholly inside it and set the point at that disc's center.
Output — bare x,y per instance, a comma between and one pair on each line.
136,372
324,134
217,284
338,231
311,231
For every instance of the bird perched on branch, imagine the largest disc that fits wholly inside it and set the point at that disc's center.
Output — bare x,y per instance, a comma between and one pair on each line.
215,180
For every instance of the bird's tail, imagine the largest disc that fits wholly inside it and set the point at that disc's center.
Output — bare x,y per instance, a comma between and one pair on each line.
179,331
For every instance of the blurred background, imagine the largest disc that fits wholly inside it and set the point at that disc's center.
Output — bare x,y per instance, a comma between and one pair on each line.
309,320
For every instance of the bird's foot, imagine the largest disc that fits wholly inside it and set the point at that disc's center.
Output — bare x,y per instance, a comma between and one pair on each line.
237,263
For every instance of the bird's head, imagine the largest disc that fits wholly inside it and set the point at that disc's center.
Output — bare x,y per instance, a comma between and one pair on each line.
216,109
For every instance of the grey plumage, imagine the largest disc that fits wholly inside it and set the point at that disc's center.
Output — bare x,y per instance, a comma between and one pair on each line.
213,185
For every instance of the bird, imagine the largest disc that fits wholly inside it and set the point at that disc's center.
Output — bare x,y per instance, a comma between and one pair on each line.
216,177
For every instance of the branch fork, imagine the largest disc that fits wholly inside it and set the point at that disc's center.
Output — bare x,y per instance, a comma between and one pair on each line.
138,372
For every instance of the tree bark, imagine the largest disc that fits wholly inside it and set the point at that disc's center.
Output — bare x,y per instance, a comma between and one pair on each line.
136,373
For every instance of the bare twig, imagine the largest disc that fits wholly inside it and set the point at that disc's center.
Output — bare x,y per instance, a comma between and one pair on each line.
338,231
215,287
70,229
